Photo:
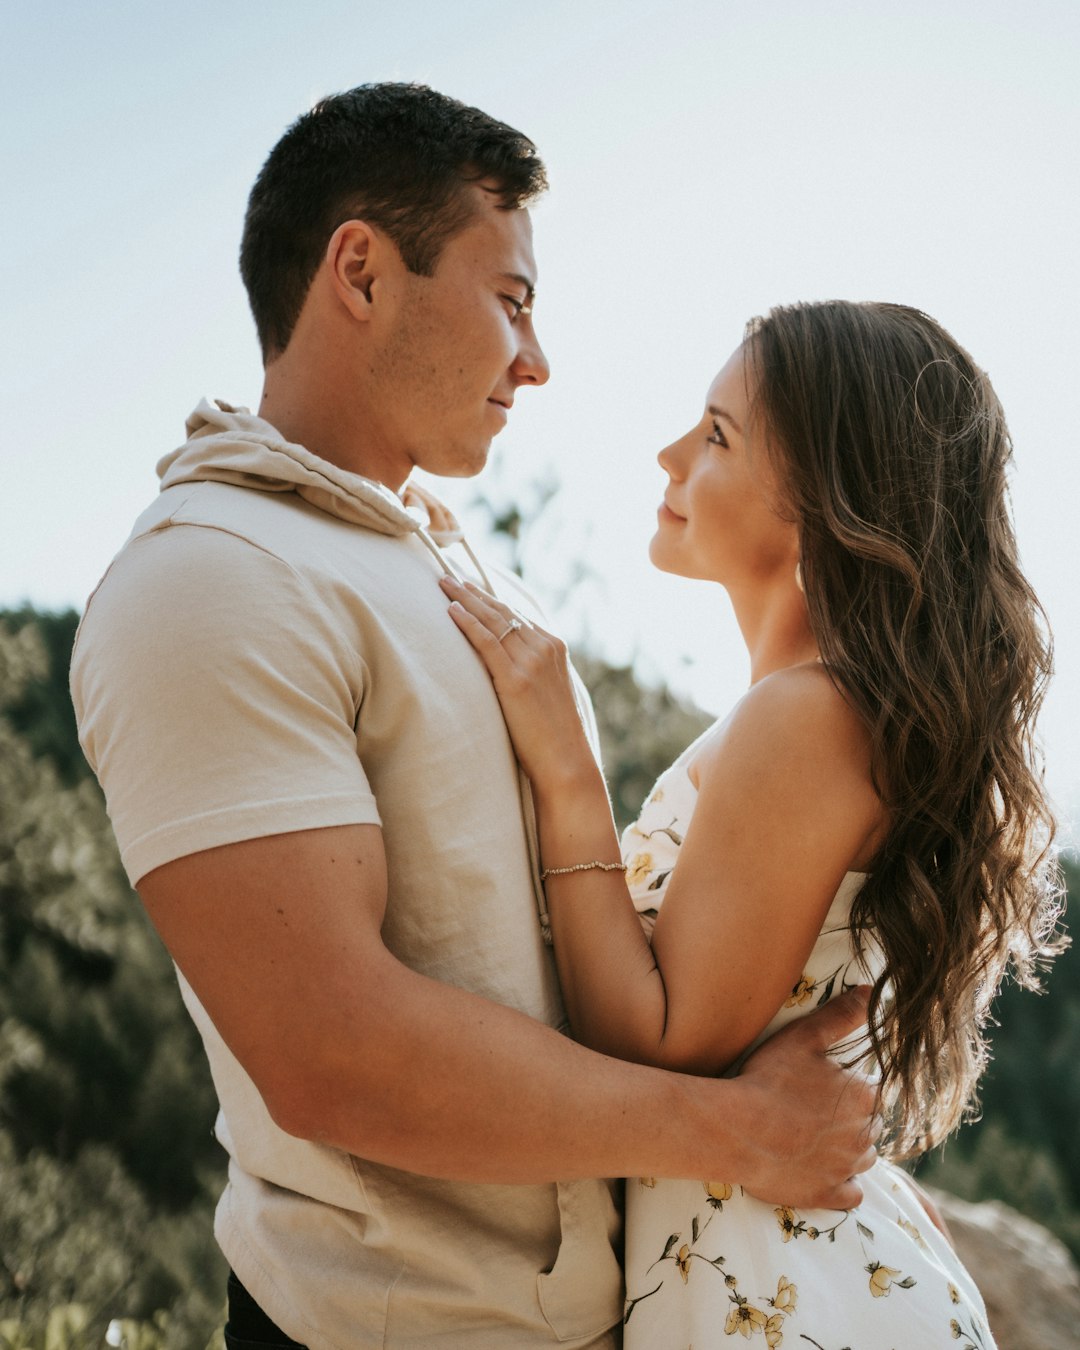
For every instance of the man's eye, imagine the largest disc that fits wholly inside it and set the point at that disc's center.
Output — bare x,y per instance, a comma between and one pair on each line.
516,306
717,436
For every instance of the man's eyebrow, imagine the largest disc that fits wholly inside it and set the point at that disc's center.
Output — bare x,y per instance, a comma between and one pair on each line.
722,412
530,289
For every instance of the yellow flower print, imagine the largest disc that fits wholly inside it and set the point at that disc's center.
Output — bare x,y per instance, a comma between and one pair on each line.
683,1262
956,1329
787,1295
638,868
803,990
744,1319
811,1232
718,1192
881,1278
647,1181
912,1232
774,1331
658,795
788,1223
954,1293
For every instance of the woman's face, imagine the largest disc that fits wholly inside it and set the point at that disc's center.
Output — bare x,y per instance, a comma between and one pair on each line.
720,521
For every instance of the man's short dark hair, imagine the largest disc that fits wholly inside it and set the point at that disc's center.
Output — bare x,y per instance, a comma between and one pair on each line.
396,155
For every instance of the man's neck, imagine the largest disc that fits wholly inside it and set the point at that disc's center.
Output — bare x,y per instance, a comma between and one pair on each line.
331,426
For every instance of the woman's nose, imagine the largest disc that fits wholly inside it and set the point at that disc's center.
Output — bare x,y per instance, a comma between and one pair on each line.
671,461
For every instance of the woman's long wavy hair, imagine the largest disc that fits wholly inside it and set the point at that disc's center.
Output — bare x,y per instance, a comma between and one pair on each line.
892,447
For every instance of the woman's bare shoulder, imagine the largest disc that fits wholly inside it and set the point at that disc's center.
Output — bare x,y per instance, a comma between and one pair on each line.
794,740
798,706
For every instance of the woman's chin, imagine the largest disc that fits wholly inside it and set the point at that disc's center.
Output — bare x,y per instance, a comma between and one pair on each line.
662,559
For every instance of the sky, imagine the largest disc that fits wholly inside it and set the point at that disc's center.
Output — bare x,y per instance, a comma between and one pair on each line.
707,160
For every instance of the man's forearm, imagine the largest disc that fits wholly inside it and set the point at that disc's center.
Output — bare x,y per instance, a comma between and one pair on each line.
462,1088
458,1087
280,940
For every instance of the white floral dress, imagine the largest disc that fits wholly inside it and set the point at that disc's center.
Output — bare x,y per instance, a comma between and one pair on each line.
706,1263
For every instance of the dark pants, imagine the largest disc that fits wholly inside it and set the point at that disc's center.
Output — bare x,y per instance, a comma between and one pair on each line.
248,1327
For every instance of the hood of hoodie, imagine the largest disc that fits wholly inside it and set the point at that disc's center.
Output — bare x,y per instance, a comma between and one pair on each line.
232,445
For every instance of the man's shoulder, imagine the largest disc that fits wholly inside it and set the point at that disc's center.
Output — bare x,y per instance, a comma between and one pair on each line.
200,565
231,543
278,523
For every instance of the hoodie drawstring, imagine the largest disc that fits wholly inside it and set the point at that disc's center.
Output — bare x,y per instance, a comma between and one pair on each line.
528,810
445,563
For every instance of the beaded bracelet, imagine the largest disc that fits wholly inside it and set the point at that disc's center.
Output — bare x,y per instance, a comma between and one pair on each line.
582,867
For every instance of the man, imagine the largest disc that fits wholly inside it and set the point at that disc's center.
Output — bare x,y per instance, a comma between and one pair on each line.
316,799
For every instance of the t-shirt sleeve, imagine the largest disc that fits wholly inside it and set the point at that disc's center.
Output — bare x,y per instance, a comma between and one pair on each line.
217,698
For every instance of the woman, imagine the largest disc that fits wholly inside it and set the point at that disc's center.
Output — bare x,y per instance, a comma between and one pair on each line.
868,813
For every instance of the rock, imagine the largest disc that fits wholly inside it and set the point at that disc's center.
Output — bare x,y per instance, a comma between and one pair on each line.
1028,1278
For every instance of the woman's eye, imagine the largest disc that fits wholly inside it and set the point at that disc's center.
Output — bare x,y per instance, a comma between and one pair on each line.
516,306
717,436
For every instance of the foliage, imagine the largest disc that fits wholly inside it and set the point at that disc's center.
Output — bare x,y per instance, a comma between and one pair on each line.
641,731
1025,1149
512,522
107,1166
40,709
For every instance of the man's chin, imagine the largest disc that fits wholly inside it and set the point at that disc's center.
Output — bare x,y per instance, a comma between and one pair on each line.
470,463
455,461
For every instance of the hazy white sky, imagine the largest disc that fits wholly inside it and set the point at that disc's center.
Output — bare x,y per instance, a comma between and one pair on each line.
708,160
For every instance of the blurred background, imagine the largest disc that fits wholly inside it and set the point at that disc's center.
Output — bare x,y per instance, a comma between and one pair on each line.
708,160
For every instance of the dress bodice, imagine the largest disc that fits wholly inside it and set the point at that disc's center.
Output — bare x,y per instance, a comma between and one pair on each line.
650,849
706,1262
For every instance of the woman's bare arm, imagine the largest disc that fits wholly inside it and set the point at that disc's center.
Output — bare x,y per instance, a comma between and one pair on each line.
785,806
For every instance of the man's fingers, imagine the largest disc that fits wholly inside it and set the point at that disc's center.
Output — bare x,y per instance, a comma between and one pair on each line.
845,1196
839,1018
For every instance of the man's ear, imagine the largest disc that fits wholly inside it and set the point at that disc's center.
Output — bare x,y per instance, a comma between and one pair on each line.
354,257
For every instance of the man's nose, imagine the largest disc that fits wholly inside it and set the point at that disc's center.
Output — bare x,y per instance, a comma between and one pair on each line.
531,365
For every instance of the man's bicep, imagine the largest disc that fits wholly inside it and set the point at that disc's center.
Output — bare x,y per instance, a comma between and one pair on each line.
274,935
217,697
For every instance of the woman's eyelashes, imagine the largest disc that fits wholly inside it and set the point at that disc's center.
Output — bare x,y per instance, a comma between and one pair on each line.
717,437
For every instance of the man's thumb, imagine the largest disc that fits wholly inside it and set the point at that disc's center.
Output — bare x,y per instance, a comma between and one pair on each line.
839,1018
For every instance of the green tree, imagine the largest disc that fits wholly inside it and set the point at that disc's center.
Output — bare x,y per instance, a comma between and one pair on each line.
41,710
642,730
107,1167
1024,1149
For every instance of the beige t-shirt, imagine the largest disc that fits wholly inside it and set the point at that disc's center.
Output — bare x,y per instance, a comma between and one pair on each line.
253,664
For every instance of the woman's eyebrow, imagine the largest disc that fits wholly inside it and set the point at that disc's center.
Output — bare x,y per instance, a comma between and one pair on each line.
722,412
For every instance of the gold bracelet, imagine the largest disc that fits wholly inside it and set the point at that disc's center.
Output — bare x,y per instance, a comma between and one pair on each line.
582,867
